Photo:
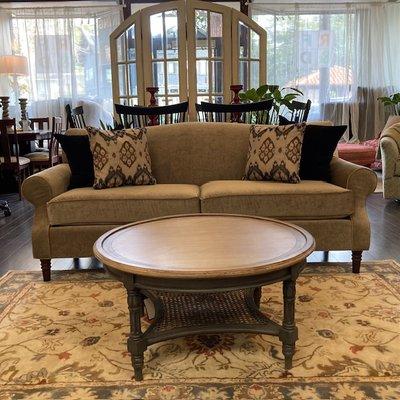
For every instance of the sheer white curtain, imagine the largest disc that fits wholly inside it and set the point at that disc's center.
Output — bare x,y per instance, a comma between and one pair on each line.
68,54
5,48
342,56
376,65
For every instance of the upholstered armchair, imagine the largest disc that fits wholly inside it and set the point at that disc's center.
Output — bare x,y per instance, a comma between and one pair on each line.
390,149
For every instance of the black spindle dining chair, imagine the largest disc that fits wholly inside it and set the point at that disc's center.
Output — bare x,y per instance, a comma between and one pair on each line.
297,111
75,117
247,113
140,116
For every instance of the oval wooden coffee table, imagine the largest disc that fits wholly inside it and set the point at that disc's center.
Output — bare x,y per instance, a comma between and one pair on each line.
203,273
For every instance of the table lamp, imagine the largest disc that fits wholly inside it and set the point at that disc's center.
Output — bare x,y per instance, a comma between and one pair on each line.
15,66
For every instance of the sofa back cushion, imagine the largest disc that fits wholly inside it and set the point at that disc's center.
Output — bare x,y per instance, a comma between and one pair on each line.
198,152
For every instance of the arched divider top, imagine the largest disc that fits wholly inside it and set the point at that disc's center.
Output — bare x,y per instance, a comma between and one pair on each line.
186,44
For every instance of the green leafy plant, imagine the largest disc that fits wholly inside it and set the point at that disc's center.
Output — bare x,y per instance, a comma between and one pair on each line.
392,101
282,98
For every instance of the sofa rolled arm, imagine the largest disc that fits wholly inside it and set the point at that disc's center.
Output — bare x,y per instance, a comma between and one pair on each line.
40,188
361,180
390,156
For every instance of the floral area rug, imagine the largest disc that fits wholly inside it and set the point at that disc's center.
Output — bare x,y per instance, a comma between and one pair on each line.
67,340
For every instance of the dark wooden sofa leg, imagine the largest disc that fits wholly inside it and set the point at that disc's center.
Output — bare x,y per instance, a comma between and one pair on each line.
46,267
356,257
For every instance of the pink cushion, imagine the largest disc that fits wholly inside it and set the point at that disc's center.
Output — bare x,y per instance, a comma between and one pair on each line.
357,153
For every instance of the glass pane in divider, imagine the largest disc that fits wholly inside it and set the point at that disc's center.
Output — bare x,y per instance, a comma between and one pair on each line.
130,38
158,76
133,101
254,74
243,74
254,44
171,28
173,77
123,100
243,40
217,77
201,24
121,48
157,36
122,79
217,99
203,98
161,101
216,34
202,76
173,100
132,79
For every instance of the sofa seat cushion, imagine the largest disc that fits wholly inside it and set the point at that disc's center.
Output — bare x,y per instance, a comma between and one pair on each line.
83,206
305,200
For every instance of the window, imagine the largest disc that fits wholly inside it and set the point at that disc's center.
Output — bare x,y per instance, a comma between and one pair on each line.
68,53
312,52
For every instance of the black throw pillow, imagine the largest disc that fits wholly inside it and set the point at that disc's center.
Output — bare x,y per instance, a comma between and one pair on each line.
319,144
80,159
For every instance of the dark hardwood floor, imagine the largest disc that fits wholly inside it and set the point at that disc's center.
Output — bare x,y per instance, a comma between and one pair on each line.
16,253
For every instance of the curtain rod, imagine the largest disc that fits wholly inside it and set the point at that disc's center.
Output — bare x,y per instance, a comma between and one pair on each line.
355,3
63,7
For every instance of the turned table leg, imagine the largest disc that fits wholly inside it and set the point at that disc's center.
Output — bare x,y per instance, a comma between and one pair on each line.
288,334
136,344
257,296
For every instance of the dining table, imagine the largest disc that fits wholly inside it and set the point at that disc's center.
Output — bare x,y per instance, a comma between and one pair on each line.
26,139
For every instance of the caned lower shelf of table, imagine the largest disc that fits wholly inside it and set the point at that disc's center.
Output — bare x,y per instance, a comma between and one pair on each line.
182,314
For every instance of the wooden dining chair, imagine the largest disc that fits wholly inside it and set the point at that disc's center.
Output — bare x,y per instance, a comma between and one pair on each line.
46,159
69,120
10,160
75,117
40,123
140,116
247,113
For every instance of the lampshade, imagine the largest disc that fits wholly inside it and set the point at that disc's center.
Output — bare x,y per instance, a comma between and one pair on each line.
14,65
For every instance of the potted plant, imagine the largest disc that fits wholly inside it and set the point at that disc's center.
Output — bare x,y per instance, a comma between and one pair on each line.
282,98
392,102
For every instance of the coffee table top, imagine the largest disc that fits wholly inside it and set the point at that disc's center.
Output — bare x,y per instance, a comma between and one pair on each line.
204,246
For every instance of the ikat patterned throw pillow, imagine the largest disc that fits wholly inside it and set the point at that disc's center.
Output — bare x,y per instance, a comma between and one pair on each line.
120,157
275,153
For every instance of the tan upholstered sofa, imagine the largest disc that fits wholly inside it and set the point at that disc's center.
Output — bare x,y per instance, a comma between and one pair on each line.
390,150
198,167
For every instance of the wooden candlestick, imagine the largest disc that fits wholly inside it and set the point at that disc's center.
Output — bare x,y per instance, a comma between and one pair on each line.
153,119
5,101
24,123
235,117
236,89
